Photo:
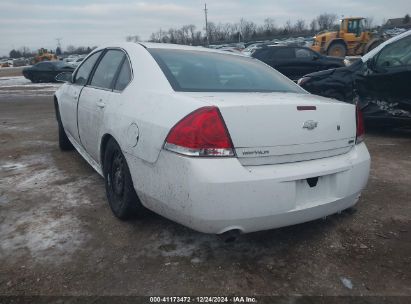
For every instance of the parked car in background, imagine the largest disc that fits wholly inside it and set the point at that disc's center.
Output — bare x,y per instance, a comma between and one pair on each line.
213,140
249,50
230,49
295,62
380,82
76,62
46,71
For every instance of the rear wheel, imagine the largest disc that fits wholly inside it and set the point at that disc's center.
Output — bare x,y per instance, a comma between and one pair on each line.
120,191
337,49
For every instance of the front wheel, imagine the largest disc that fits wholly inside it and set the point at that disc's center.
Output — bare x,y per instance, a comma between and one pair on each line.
64,142
337,49
120,191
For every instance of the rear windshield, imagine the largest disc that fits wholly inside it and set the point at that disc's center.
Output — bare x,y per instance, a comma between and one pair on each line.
199,71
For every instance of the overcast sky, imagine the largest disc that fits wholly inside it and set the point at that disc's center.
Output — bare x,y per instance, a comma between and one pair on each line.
37,23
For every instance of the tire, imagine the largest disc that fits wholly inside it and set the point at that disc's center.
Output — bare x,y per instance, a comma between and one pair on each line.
121,195
64,142
337,49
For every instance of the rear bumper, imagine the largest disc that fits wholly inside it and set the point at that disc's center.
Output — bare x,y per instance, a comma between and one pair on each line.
217,195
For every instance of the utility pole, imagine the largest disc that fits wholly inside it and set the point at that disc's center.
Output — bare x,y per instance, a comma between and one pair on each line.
206,23
59,42
59,45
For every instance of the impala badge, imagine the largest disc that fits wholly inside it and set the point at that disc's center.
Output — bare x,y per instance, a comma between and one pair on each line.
310,125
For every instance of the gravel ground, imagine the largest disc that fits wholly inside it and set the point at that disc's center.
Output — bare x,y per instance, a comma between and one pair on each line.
58,236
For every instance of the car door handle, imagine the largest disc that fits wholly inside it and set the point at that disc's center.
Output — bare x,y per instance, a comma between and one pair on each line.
100,103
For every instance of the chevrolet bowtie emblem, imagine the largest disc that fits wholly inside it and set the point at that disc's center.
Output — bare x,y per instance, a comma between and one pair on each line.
310,125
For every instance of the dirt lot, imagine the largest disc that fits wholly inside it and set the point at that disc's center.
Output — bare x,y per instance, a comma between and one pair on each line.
58,236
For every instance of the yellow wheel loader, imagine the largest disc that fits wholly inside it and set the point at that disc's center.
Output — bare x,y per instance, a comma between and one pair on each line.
350,40
43,55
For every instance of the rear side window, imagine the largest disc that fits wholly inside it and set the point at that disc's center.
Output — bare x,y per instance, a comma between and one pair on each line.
107,68
262,54
84,70
124,76
201,71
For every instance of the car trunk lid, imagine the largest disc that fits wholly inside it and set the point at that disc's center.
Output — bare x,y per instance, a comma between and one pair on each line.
270,128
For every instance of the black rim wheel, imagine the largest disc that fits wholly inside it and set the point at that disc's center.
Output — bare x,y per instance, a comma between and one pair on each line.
120,191
116,176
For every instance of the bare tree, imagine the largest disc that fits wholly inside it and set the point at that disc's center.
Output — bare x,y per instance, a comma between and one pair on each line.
326,21
313,26
299,26
269,26
288,27
247,28
25,51
191,30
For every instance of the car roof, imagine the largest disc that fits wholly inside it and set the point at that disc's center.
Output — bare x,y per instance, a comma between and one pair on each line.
170,46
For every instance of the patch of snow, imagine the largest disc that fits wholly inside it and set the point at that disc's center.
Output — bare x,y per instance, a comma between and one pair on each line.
346,282
18,81
43,228
23,128
3,199
10,166
13,81
195,260
18,85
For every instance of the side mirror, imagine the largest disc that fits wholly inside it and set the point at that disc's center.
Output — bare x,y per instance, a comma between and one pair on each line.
65,77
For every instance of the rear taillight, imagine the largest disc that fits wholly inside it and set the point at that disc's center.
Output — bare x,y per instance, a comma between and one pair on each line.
201,133
360,126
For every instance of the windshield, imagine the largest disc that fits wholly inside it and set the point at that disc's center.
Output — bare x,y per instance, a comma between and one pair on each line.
200,71
373,52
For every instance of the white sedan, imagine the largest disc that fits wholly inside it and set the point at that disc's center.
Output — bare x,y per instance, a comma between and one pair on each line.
215,141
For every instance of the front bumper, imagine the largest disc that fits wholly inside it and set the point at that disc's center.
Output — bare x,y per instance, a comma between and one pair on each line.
218,195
